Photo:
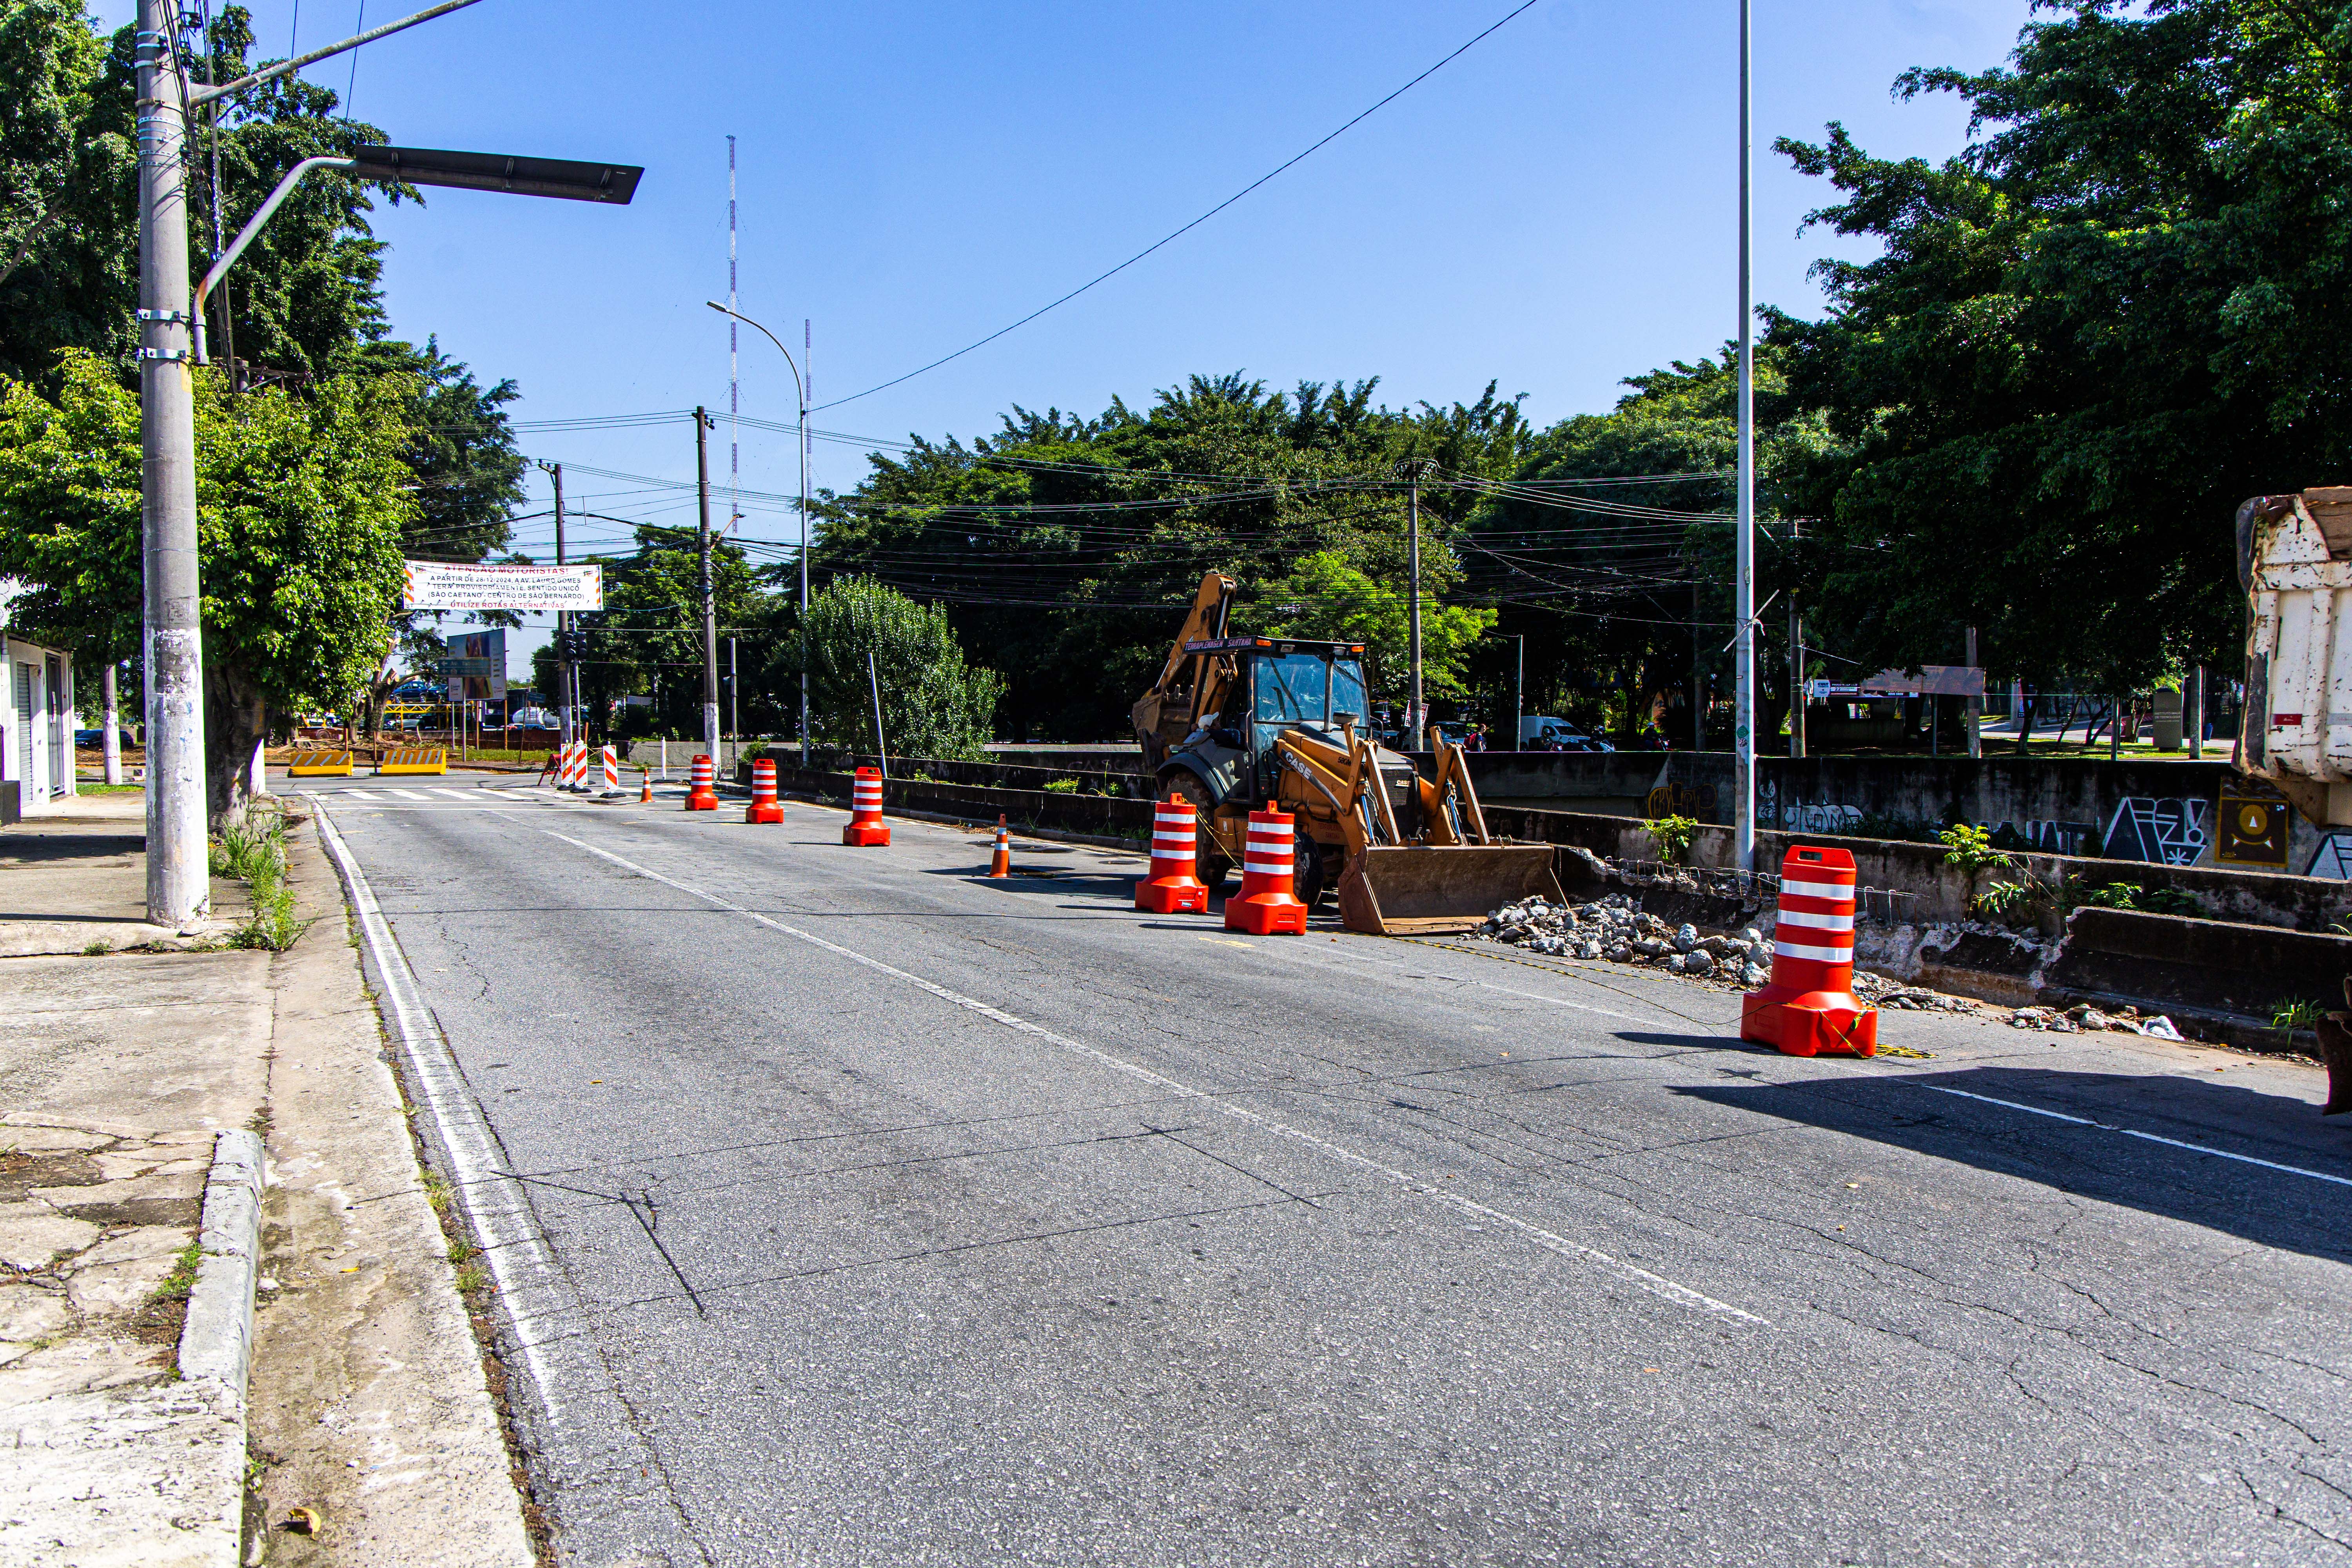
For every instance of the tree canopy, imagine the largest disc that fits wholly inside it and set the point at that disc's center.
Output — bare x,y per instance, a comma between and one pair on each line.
2090,335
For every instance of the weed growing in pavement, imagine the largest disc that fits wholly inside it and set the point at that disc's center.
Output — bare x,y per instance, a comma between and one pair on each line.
1673,836
473,1277
437,1191
98,949
1061,787
462,1250
182,1276
2300,1013
253,851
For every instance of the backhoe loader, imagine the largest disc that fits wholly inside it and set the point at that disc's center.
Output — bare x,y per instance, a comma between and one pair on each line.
1236,721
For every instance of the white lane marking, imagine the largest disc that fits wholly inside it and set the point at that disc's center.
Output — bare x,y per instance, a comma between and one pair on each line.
354,794
1656,1284
2135,1132
479,1169
1311,954
407,794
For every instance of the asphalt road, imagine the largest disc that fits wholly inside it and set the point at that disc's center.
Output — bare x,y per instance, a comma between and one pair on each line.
851,1209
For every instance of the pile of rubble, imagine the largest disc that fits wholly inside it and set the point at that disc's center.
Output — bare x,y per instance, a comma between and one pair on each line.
1614,929
2084,1018
1877,991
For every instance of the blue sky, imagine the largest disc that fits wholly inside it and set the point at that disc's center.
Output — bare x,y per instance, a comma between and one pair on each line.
1553,211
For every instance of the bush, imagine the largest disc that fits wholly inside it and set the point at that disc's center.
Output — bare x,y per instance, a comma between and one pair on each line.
1972,850
934,704
1671,835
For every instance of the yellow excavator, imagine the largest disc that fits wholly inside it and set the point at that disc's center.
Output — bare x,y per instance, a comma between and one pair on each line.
1236,720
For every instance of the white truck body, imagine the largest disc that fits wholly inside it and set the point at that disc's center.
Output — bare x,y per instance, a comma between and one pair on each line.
2294,554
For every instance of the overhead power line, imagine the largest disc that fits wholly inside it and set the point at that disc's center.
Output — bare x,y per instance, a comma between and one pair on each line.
1168,239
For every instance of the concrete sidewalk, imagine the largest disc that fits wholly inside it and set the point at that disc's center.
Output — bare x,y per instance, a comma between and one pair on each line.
74,881
367,1404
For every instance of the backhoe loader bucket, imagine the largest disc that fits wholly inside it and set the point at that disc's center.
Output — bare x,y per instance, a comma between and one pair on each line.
1409,890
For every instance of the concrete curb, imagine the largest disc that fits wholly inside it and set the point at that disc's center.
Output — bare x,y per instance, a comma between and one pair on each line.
217,1340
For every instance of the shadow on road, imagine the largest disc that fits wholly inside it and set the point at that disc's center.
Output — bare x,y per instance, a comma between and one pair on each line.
2274,1207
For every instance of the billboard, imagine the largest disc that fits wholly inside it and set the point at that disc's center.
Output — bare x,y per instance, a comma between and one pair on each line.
462,585
475,667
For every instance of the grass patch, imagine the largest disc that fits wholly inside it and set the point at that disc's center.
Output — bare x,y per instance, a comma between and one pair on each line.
254,852
471,1277
109,789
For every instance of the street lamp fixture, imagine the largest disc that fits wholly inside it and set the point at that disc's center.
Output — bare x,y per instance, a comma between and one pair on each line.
800,396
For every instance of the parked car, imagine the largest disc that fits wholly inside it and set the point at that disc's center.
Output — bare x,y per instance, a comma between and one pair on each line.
92,739
1539,732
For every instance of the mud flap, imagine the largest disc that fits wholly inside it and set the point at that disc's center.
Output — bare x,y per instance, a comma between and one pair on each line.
1409,890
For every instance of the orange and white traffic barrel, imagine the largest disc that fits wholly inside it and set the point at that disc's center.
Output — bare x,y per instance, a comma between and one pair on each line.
1809,1008
865,824
1000,864
1172,889
702,792
575,770
1267,905
764,806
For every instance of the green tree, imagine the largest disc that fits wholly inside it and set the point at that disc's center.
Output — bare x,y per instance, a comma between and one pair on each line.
1067,547
933,703
301,300
2085,340
1324,598
300,502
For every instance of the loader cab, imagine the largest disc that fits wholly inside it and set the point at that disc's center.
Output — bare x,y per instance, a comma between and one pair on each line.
1286,684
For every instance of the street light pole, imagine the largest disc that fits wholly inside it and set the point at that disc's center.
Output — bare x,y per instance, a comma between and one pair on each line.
1743,587
178,887
800,389
702,423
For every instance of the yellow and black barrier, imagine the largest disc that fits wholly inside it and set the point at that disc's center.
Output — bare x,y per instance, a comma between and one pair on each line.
319,765
415,760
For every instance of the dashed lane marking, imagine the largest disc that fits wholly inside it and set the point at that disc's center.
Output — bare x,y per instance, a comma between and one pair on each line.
1550,1241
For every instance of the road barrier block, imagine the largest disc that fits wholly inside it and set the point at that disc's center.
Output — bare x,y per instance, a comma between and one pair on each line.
1267,904
319,765
866,828
1808,1007
1172,888
415,760
764,806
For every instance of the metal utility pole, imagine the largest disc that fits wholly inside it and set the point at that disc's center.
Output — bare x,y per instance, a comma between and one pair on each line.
702,423
1743,581
734,697
1975,705
2194,714
563,675
1519,691
178,887
1416,716
1796,662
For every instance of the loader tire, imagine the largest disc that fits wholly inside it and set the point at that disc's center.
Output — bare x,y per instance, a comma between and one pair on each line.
1307,883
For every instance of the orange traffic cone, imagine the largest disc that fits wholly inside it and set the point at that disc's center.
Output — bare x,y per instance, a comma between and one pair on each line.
1001,864
645,796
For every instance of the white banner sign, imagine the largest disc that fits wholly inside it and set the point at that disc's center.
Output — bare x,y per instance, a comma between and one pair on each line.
456,586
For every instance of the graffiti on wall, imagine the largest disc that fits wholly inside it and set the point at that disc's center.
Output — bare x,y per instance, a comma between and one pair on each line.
2333,858
1802,816
2169,832
2045,836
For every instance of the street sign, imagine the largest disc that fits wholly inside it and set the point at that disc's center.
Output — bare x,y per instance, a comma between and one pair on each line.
465,585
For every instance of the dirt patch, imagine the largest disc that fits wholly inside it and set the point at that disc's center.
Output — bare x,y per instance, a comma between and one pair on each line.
20,1173
182,1211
